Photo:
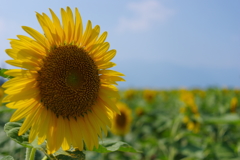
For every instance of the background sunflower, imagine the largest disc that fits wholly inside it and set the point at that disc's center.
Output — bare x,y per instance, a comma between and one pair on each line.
122,122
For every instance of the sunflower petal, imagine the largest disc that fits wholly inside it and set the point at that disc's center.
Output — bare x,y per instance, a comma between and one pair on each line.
78,27
36,35
22,112
77,134
30,119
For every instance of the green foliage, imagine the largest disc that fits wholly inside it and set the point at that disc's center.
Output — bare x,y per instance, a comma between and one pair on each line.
158,130
2,70
111,146
11,129
7,158
71,155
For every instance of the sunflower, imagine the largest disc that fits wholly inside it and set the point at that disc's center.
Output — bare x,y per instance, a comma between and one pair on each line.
149,95
64,88
233,104
122,123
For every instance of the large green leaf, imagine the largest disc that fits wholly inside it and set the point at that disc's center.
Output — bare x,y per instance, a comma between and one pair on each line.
111,146
12,128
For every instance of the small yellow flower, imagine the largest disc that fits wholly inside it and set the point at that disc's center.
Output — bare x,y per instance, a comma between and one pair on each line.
185,119
189,110
129,94
196,127
149,95
233,104
139,111
190,125
122,123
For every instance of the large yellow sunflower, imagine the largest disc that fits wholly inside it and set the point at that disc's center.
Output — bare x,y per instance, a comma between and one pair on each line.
122,122
64,90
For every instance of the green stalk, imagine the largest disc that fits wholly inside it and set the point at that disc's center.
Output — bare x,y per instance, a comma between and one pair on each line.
32,154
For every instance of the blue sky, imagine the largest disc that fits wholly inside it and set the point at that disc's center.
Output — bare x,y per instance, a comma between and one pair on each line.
160,43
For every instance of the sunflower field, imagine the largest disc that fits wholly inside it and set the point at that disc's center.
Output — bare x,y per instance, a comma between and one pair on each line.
177,124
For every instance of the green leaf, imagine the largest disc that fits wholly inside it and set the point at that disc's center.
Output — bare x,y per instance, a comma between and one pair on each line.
226,119
71,155
7,158
222,150
111,146
2,70
12,128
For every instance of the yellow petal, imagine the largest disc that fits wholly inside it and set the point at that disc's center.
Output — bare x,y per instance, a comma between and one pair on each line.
78,27
36,35
67,141
59,132
58,26
100,122
106,65
102,49
91,132
46,26
17,81
92,39
106,57
77,133
30,119
43,127
101,112
21,88
108,102
51,134
24,64
109,93
35,125
24,111
31,93
21,103
86,133
87,33
98,43
21,73
112,78
94,123
71,24
66,25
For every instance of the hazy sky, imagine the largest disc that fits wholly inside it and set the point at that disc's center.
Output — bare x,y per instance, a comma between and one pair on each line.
160,43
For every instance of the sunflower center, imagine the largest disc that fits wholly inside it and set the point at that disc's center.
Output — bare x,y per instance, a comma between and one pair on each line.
74,79
121,120
68,81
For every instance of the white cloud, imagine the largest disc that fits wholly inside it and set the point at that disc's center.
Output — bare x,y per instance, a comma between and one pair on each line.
145,14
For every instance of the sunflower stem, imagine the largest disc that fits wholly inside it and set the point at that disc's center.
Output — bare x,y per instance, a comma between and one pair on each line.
32,154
